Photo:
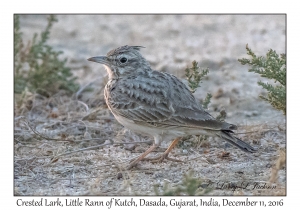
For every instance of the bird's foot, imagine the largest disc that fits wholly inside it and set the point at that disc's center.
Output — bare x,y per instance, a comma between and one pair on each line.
142,157
161,158
157,159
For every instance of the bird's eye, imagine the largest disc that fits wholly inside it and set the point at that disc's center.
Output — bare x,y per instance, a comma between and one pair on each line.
123,60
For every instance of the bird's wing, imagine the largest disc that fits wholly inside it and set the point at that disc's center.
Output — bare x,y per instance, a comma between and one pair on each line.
160,99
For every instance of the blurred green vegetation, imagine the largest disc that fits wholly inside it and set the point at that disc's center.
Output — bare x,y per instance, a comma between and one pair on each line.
37,67
272,66
190,185
195,76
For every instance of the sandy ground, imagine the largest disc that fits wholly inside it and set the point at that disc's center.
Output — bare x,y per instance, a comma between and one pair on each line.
172,42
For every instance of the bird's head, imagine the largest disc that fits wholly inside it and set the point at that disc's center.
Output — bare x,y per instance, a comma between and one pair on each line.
123,61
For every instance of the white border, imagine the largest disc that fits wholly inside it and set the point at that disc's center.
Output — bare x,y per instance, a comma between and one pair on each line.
154,6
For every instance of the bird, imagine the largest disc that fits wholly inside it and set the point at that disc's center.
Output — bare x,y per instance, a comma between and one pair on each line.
157,104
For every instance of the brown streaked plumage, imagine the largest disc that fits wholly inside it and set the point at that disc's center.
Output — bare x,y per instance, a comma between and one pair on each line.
157,103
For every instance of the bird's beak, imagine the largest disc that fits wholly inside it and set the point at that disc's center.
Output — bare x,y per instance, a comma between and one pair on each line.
99,59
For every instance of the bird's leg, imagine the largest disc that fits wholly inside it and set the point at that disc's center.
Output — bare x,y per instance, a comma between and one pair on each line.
160,158
132,164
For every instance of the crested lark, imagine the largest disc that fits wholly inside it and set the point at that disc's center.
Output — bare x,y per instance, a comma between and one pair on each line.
157,103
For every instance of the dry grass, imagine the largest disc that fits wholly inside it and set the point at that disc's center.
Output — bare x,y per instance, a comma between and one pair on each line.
64,147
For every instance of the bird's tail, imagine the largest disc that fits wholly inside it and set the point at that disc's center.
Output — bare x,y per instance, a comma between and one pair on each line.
226,135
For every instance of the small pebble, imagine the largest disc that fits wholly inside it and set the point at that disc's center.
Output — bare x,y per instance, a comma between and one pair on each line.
120,175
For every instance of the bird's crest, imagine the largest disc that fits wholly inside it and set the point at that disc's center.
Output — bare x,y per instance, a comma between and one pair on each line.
123,49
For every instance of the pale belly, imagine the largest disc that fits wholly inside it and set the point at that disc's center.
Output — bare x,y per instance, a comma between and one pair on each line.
153,131
150,131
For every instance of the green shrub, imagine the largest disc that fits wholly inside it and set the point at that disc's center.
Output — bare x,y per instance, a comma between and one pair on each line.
190,185
37,66
272,67
194,76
